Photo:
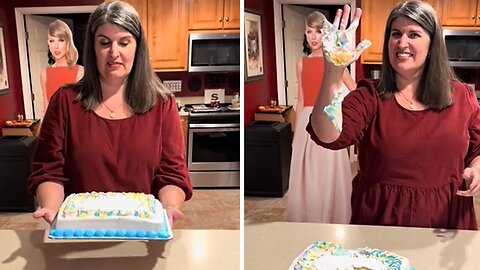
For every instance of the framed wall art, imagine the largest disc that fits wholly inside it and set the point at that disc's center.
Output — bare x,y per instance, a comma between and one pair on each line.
4,88
253,46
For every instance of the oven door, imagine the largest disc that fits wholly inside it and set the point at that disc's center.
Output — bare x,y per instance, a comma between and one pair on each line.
214,147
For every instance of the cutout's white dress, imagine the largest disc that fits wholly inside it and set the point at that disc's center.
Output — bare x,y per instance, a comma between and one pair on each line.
320,179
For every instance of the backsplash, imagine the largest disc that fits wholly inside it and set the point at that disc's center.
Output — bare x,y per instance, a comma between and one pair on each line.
194,84
181,101
467,75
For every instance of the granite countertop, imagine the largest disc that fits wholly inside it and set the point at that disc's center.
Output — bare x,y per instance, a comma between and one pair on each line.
183,113
189,249
275,245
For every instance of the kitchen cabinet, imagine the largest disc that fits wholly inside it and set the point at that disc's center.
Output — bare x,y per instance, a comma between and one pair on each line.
16,153
165,24
184,123
268,152
213,14
141,7
461,13
373,22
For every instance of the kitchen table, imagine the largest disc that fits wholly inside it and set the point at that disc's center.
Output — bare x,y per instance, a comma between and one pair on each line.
275,245
189,249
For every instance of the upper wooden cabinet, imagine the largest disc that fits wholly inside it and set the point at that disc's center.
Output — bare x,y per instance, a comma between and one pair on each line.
463,13
167,34
141,7
373,22
165,24
213,14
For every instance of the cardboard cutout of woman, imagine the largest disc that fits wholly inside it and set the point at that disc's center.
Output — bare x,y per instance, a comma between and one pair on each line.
64,69
320,178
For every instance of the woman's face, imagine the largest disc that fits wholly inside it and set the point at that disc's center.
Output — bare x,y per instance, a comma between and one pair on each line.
57,46
114,51
314,38
408,47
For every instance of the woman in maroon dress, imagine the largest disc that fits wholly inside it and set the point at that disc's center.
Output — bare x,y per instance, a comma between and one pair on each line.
118,129
418,131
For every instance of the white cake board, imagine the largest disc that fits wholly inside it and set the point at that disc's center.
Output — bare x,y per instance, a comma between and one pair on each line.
48,239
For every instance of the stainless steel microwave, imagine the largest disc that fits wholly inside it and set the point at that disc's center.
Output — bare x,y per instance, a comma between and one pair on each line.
463,47
214,52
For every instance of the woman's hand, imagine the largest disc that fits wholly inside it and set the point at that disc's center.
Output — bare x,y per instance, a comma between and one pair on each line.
50,197
172,198
47,214
173,215
338,41
472,180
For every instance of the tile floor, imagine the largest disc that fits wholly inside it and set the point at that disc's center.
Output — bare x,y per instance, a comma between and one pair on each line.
208,209
265,209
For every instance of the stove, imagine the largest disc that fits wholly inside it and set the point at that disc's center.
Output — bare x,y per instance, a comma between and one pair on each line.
203,112
213,148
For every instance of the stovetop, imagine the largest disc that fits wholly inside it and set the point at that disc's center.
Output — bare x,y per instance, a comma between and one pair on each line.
205,112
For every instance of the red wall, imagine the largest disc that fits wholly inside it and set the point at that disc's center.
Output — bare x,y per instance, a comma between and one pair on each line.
259,92
13,101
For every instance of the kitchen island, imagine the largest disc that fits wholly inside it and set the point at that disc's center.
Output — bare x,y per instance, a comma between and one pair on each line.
189,249
275,245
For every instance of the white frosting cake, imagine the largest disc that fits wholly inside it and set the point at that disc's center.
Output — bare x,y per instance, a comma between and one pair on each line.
110,214
328,255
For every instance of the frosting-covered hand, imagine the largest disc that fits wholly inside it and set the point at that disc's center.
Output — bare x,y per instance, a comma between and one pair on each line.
334,109
338,42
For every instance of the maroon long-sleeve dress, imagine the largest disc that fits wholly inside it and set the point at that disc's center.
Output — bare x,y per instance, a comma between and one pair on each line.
411,162
86,152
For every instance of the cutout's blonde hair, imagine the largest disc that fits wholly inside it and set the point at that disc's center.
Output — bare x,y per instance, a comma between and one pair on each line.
315,20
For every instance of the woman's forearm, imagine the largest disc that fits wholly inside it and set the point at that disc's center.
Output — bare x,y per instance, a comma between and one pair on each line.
349,81
171,196
50,195
321,124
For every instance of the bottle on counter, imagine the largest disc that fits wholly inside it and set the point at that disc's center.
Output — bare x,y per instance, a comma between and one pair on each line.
236,100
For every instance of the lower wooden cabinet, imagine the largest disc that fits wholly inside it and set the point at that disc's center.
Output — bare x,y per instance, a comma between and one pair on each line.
184,122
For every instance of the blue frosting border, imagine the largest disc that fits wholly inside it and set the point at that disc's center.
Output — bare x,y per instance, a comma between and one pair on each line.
164,234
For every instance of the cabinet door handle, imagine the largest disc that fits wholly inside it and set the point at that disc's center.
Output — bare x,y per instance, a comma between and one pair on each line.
227,19
473,17
220,19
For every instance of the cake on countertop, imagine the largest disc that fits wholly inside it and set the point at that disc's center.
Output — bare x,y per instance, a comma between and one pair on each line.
111,215
328,255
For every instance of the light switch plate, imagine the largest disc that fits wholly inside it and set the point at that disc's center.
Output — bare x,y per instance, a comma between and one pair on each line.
173,85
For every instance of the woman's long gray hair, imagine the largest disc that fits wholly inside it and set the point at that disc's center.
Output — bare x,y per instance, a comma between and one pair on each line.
143,86
435,88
